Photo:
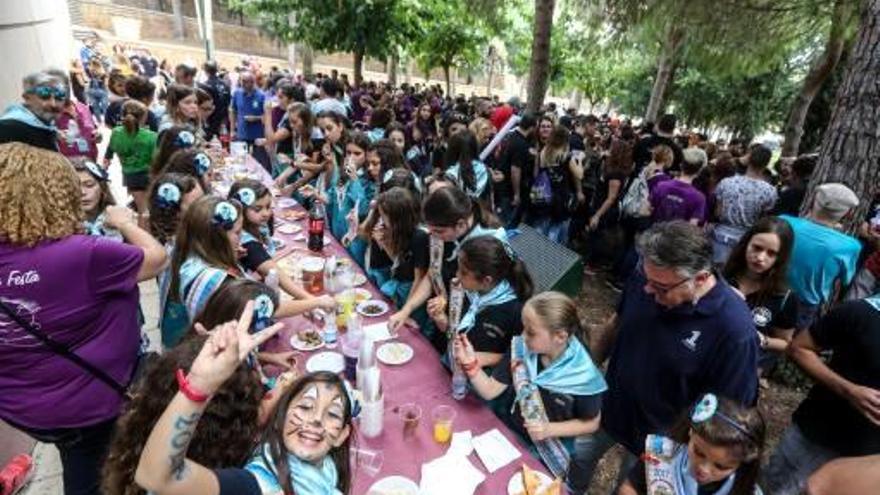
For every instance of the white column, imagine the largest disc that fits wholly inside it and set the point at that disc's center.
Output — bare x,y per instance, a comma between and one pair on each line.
34,35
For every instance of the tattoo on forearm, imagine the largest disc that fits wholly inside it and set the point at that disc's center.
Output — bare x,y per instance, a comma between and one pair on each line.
181,434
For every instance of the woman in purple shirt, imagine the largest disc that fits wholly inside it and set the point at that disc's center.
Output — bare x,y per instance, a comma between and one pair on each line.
79,291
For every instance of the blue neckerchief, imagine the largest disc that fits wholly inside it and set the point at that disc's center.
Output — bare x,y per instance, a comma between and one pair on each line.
481,175
874,301
573,373
20,113
477,231
375,134
307,478
500,294
96,228
685,483
266,241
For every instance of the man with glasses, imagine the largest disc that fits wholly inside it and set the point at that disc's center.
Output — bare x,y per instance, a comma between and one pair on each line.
32,122
680,331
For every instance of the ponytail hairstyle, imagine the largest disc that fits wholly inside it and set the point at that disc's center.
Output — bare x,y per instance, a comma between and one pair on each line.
447,206
558,313
199,234
725,423
462,149
165,211
170,140
247,192
192,162
486,256
134,114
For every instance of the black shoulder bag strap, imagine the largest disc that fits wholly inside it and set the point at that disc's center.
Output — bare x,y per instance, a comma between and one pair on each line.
63,351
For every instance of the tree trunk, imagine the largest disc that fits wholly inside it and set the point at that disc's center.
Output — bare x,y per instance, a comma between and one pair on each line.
821,69
491,71
177,10
539,71
448,80
358,66
665,70
575,100
308,59
850,151
393,62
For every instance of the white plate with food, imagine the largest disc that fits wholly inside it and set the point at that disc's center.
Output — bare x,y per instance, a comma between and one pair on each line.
358,279
326,361
288,228
538,483
307,340
286,202
394,353
361,295
394,485
372,308
294,215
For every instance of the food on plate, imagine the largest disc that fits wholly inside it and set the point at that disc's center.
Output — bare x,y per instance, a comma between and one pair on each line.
372,309
311,338
532,484
361,295
395,352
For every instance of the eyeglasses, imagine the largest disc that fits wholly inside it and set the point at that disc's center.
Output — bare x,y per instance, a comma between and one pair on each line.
46,92
659,288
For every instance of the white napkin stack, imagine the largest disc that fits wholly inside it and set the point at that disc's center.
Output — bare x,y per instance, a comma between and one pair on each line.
451,473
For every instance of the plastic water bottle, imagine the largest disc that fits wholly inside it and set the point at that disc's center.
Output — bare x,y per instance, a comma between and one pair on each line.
272,279
331,334
459,383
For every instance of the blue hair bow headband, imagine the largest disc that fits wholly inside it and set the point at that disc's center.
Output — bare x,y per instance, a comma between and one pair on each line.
707,408
168,195
225,215
184,139
247,196
202,163
264,309
97,172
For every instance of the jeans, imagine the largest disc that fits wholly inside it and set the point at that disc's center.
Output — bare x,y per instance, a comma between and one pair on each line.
555,230
724,239
588,450
82,453
793,461
805,315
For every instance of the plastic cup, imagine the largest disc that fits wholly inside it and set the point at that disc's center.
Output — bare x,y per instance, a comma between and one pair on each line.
410,414
367,459
443,418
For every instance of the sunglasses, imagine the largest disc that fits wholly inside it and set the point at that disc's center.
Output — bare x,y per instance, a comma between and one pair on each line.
46,92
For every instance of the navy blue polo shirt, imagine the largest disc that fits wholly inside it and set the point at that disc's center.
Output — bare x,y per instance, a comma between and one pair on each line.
664,359
248,104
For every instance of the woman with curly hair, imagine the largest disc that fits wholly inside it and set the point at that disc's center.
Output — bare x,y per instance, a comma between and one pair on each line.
79,291
229,427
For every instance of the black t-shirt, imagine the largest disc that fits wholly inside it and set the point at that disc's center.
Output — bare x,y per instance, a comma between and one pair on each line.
852,332
563,193
518,152
642,152
221,95
789,201
559,407
495,326
237,481
775,311
417,256
637,477
600,194
256,255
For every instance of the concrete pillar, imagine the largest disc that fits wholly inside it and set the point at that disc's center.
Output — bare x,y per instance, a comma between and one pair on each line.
34,34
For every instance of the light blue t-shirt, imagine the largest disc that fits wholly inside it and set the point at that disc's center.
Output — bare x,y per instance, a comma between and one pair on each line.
820,256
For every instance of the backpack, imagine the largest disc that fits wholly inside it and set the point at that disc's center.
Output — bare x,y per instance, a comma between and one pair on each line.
634,204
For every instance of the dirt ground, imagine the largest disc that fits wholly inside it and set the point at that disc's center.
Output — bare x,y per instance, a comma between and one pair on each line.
777,401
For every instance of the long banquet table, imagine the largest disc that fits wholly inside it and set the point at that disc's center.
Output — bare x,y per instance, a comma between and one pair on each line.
423,380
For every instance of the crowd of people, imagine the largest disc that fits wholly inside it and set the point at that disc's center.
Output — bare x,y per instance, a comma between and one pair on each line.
718,274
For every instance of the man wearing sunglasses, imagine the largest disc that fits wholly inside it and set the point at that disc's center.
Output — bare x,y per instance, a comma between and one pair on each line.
32,122
680,331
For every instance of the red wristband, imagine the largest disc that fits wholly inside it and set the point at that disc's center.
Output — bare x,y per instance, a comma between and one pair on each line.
187,389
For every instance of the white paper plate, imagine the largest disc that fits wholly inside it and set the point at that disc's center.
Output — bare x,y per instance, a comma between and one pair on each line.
361,295
394,485
301,345
394,353
286,202
379,304
515,485
288,228
326,361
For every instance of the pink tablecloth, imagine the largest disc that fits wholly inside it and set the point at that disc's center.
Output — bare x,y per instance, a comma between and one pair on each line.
423,381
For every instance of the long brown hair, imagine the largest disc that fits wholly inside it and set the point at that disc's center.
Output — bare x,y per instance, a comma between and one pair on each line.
197,235
106,199
174,95
555,148
402,210
305,114
773,282
260,192
273,434
226,433
746,439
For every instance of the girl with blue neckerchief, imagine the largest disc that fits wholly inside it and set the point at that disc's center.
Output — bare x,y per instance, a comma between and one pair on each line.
380,157
464,168
496,284
346,190
257,243
556,388
716,450
303,450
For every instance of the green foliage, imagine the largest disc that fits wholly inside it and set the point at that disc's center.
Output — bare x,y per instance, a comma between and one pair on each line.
450,36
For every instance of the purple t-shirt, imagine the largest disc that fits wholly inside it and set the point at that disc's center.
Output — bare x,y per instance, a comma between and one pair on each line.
81,291
677,200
